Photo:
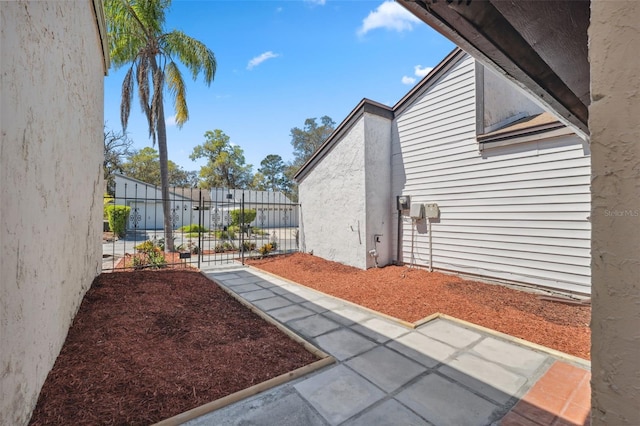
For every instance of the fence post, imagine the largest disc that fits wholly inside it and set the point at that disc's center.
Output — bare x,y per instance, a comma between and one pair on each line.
200,238
242,228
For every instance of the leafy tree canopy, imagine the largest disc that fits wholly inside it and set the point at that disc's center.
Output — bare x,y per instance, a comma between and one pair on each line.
270,176
144,165
307,140
226,166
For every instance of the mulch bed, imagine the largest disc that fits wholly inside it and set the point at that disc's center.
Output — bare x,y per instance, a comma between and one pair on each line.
413,294
148,345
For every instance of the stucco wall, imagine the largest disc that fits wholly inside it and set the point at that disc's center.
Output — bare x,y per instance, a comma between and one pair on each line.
332,202
615,215
51,92
378,188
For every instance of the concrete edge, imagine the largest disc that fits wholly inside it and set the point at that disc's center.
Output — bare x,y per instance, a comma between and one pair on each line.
245,393
355,305
553,352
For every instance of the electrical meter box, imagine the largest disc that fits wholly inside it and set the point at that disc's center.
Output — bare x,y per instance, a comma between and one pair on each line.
431,210
417,211
404,202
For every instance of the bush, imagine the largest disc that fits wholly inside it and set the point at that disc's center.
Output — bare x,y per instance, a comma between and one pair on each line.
151,254
225,235
118,216
249,216
224,246
193,228
266,249
248,246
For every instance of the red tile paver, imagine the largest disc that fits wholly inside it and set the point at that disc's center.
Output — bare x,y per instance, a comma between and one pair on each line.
561,397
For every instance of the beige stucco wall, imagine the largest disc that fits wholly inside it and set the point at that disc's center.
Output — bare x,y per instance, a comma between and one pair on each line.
51,92
614,123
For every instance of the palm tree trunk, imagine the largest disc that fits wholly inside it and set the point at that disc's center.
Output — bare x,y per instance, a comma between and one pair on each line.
164,179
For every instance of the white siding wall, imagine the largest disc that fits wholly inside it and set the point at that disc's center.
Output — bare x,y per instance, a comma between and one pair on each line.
517,213
332,204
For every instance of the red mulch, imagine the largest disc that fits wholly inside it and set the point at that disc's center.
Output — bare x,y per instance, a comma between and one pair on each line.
148,345
413,294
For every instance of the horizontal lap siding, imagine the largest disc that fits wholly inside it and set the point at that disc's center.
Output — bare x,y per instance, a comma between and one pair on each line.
517,213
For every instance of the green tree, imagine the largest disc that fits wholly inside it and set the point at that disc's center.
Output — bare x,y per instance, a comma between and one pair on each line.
270,176
137,38
144,165
225,166
307,140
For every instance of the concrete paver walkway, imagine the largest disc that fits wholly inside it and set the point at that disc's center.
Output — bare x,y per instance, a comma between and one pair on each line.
441,373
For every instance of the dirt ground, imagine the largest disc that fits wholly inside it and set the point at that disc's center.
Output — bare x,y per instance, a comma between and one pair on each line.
148,345
413,294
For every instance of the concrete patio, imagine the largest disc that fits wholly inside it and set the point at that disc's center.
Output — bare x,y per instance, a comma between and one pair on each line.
441,373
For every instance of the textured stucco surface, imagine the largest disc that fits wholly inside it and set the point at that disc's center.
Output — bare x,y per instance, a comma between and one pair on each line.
51,92
378,188
614,37
332,197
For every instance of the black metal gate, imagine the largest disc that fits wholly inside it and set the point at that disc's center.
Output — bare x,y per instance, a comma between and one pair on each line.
209,227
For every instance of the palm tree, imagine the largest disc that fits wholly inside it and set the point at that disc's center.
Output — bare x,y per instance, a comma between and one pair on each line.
137,39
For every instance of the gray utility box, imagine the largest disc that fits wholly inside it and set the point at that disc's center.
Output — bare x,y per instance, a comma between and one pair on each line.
431,210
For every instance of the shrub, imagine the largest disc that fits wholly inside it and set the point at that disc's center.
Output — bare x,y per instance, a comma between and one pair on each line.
193,228
225,235
151,254
248,246
266,249
224,246
118,216
249,216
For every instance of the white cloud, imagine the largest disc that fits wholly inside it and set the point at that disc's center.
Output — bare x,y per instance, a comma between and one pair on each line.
421,72
260,59
170,121
389,15
317,2
408,80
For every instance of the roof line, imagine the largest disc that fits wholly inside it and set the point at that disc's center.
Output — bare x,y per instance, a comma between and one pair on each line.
368,105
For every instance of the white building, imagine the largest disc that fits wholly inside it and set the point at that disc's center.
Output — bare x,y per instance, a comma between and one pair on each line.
210,208
511,183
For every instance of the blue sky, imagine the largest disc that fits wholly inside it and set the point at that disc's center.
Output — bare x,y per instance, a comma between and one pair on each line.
281,62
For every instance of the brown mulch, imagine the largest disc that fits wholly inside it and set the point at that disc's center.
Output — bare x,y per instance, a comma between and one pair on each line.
413,294
148,345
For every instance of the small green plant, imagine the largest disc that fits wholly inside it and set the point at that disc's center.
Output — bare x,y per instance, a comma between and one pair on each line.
224,246
266,249
193,228
118,216
249,216
150,254
248,246
225,235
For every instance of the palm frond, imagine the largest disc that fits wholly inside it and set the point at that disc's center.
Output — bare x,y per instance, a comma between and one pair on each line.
156,101
125,36
127,95
178,90
192,53
144,91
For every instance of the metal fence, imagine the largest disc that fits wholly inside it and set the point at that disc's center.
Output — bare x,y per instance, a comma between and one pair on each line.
209,226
